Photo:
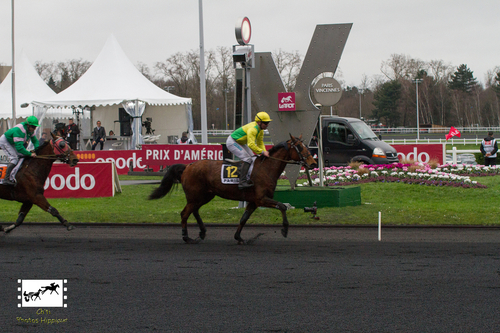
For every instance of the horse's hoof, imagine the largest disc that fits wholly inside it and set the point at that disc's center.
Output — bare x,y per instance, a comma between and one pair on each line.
70,227
9,228
241,242
203,234
284,232
191,241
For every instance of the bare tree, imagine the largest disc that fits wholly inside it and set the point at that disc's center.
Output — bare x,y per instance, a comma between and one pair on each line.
288,65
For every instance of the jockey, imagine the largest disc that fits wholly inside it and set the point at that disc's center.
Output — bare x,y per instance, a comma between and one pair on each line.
13,143
247,140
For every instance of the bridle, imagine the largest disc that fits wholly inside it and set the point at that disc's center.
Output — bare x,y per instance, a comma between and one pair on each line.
299,149
61,151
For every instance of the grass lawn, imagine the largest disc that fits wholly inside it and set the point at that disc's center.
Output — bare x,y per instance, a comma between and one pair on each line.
400,204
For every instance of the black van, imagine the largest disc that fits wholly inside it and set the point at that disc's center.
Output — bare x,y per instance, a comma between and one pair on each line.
350,139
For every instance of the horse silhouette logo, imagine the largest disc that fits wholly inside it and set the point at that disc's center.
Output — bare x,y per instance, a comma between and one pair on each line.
287,99
32,296
46,293
53,287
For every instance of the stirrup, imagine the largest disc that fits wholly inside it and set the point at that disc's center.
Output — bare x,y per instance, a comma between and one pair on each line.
9,182
245,184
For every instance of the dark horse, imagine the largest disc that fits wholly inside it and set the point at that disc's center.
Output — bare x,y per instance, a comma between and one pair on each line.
31,178
201,182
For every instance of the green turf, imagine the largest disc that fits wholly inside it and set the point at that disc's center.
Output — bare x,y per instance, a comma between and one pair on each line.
400,204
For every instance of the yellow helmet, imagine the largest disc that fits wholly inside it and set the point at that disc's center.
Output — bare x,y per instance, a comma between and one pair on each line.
262,116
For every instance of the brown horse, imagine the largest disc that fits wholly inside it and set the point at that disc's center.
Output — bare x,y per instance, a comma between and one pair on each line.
201,182
31,178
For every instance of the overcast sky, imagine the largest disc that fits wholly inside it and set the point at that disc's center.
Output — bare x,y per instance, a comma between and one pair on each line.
456,31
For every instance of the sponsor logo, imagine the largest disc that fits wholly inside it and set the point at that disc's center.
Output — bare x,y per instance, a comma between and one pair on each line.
42,293
422,157
73,182
286,101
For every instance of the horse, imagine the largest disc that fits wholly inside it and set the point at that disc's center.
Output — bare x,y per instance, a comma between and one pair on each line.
201,182
31,178
53,287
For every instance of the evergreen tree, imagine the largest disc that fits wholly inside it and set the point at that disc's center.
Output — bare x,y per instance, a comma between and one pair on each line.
463,79
496,86
386,103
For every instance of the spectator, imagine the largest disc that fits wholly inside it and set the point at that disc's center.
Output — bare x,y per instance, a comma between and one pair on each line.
98,135
184,140
489,149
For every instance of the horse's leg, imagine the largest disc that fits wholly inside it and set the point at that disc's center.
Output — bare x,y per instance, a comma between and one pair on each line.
206,199
268,202
190,208
203,230
246,215
41,202
25,208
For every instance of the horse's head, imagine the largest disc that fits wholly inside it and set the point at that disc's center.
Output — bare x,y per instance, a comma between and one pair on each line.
300,152
62,150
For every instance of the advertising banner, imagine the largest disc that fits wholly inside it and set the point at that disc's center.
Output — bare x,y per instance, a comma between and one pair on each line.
286,101
86,180
422,152
184,154
121,158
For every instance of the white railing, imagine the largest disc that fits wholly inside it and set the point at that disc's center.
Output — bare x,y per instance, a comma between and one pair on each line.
454,152
452,141
220,132
442,130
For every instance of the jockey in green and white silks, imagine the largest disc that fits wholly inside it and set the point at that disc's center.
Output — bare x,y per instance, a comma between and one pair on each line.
247,140
13,143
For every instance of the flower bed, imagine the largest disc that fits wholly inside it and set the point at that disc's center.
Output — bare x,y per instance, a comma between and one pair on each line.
417,174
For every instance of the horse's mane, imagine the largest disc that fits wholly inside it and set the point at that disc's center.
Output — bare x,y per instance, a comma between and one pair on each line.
277,147
42,146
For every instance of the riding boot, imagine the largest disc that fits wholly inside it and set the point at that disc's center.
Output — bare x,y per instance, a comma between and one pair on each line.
6,180
244,181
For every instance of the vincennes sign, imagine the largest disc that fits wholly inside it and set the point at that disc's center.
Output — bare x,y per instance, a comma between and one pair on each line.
327,91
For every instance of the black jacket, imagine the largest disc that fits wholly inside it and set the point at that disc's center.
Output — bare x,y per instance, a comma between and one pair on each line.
71,136
98,134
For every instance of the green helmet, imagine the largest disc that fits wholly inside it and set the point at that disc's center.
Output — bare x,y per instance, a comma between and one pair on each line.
32,120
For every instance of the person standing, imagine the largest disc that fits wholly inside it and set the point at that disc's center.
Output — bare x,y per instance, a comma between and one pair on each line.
247,140
184,140
12,143
72,132
489,149
98,136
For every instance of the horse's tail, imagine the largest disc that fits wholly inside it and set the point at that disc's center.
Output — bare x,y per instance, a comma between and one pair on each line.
172,176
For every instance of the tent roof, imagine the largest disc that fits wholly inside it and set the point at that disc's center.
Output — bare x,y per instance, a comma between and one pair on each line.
29,87
110,80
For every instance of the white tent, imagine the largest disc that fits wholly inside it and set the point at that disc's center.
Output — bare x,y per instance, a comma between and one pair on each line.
29,87
113,82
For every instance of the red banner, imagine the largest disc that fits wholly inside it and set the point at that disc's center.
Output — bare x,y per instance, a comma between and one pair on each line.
86,180
184,154
121,158
422,152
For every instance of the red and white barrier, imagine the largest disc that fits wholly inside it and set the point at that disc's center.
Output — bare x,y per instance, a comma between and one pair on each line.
422,152
86,180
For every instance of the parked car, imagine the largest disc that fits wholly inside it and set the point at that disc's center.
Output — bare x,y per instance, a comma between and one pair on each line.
466,159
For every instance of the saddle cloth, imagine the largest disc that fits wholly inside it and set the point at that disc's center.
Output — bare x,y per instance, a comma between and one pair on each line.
230,172
3,170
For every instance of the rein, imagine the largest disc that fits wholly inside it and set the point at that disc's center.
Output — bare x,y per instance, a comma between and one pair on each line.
302,159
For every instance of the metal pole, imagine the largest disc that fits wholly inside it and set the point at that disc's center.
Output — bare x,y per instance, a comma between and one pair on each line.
360,92
203,93
225,101
13,72
418,127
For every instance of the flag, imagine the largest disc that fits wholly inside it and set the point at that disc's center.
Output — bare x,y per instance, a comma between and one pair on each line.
453,132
